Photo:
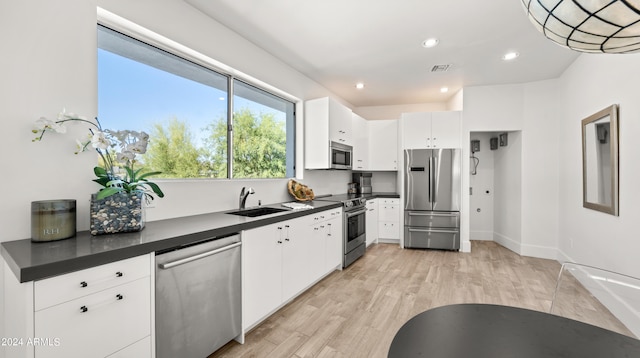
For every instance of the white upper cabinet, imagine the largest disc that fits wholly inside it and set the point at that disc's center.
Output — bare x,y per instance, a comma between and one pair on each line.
383,145
325,120
416,130
431,130
360,143
445,129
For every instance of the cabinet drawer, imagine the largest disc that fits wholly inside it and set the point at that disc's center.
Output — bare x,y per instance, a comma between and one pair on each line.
114,318
59,289
325,215
389,213
389,201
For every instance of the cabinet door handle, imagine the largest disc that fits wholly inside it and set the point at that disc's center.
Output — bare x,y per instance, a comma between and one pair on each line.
119,274
83,309
83,284
287,239
279,241
119,297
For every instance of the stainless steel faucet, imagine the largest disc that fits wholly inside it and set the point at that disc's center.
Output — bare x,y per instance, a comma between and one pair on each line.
243,196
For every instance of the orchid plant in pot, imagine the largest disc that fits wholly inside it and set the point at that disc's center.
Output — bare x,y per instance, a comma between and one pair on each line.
118,205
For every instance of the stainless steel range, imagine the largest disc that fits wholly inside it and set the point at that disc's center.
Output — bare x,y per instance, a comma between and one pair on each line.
354,224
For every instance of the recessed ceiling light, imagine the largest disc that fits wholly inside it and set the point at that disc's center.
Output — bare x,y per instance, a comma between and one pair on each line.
510,56
360,85
444,89
428,43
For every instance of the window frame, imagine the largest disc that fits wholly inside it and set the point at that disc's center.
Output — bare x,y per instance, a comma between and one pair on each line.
137,32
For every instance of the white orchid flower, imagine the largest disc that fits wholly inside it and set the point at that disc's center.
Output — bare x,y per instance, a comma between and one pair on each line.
119,135
44,124
139,147
81,146
64,115
143,136
59,128
99,141
125,156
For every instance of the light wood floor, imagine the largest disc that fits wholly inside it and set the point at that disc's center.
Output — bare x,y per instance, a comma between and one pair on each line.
356,312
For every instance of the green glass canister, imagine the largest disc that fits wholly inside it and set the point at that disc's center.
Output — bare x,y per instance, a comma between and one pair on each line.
53,220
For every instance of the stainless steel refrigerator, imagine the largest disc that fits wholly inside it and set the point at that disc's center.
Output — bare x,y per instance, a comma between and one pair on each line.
432,198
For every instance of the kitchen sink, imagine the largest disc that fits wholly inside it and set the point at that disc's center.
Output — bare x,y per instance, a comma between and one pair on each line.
257,211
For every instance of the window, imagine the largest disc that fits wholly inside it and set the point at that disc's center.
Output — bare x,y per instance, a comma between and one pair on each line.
184,107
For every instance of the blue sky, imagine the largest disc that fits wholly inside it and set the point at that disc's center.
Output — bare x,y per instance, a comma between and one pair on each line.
134,96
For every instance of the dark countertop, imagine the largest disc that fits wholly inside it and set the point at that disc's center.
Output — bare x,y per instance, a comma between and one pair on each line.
31,261
382,195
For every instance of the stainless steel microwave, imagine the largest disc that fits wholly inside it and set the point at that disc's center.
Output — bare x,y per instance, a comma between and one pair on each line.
341,155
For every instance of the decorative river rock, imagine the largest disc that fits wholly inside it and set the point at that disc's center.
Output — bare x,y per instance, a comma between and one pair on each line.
121,212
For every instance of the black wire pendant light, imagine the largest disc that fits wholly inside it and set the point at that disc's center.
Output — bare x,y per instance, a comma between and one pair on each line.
598,26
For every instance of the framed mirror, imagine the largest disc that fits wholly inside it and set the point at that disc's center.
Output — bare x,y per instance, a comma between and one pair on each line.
600,161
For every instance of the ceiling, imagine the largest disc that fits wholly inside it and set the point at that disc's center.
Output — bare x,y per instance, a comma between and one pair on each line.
338,43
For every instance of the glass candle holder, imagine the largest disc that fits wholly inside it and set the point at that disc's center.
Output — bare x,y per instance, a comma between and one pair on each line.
53,219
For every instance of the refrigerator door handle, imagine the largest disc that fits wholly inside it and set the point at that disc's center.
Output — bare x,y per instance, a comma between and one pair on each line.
433,178
443,231
433,213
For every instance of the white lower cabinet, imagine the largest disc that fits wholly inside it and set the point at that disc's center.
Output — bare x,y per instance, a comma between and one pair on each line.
327,229
333,242
281,260
372,221
96,325
389,219
103,311
261,272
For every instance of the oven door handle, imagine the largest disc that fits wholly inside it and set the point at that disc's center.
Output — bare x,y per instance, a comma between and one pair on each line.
350,214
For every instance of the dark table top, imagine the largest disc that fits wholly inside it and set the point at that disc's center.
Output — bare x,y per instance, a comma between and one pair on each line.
493,331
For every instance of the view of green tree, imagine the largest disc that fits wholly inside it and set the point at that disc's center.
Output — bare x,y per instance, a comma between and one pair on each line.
259,148
259,145
216,148
172,152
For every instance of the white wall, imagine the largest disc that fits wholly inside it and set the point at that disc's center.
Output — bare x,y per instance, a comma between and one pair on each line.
531,109
486,109
540,169
395,111
481,198
48,62
587,236
507,193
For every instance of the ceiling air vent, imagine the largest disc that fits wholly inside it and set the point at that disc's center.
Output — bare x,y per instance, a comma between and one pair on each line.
440,68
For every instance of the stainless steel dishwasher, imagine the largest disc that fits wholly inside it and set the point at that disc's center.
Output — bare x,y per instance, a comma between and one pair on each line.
198,302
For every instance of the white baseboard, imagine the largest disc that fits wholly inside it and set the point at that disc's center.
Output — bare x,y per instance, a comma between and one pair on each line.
507,242
481,235
543,252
